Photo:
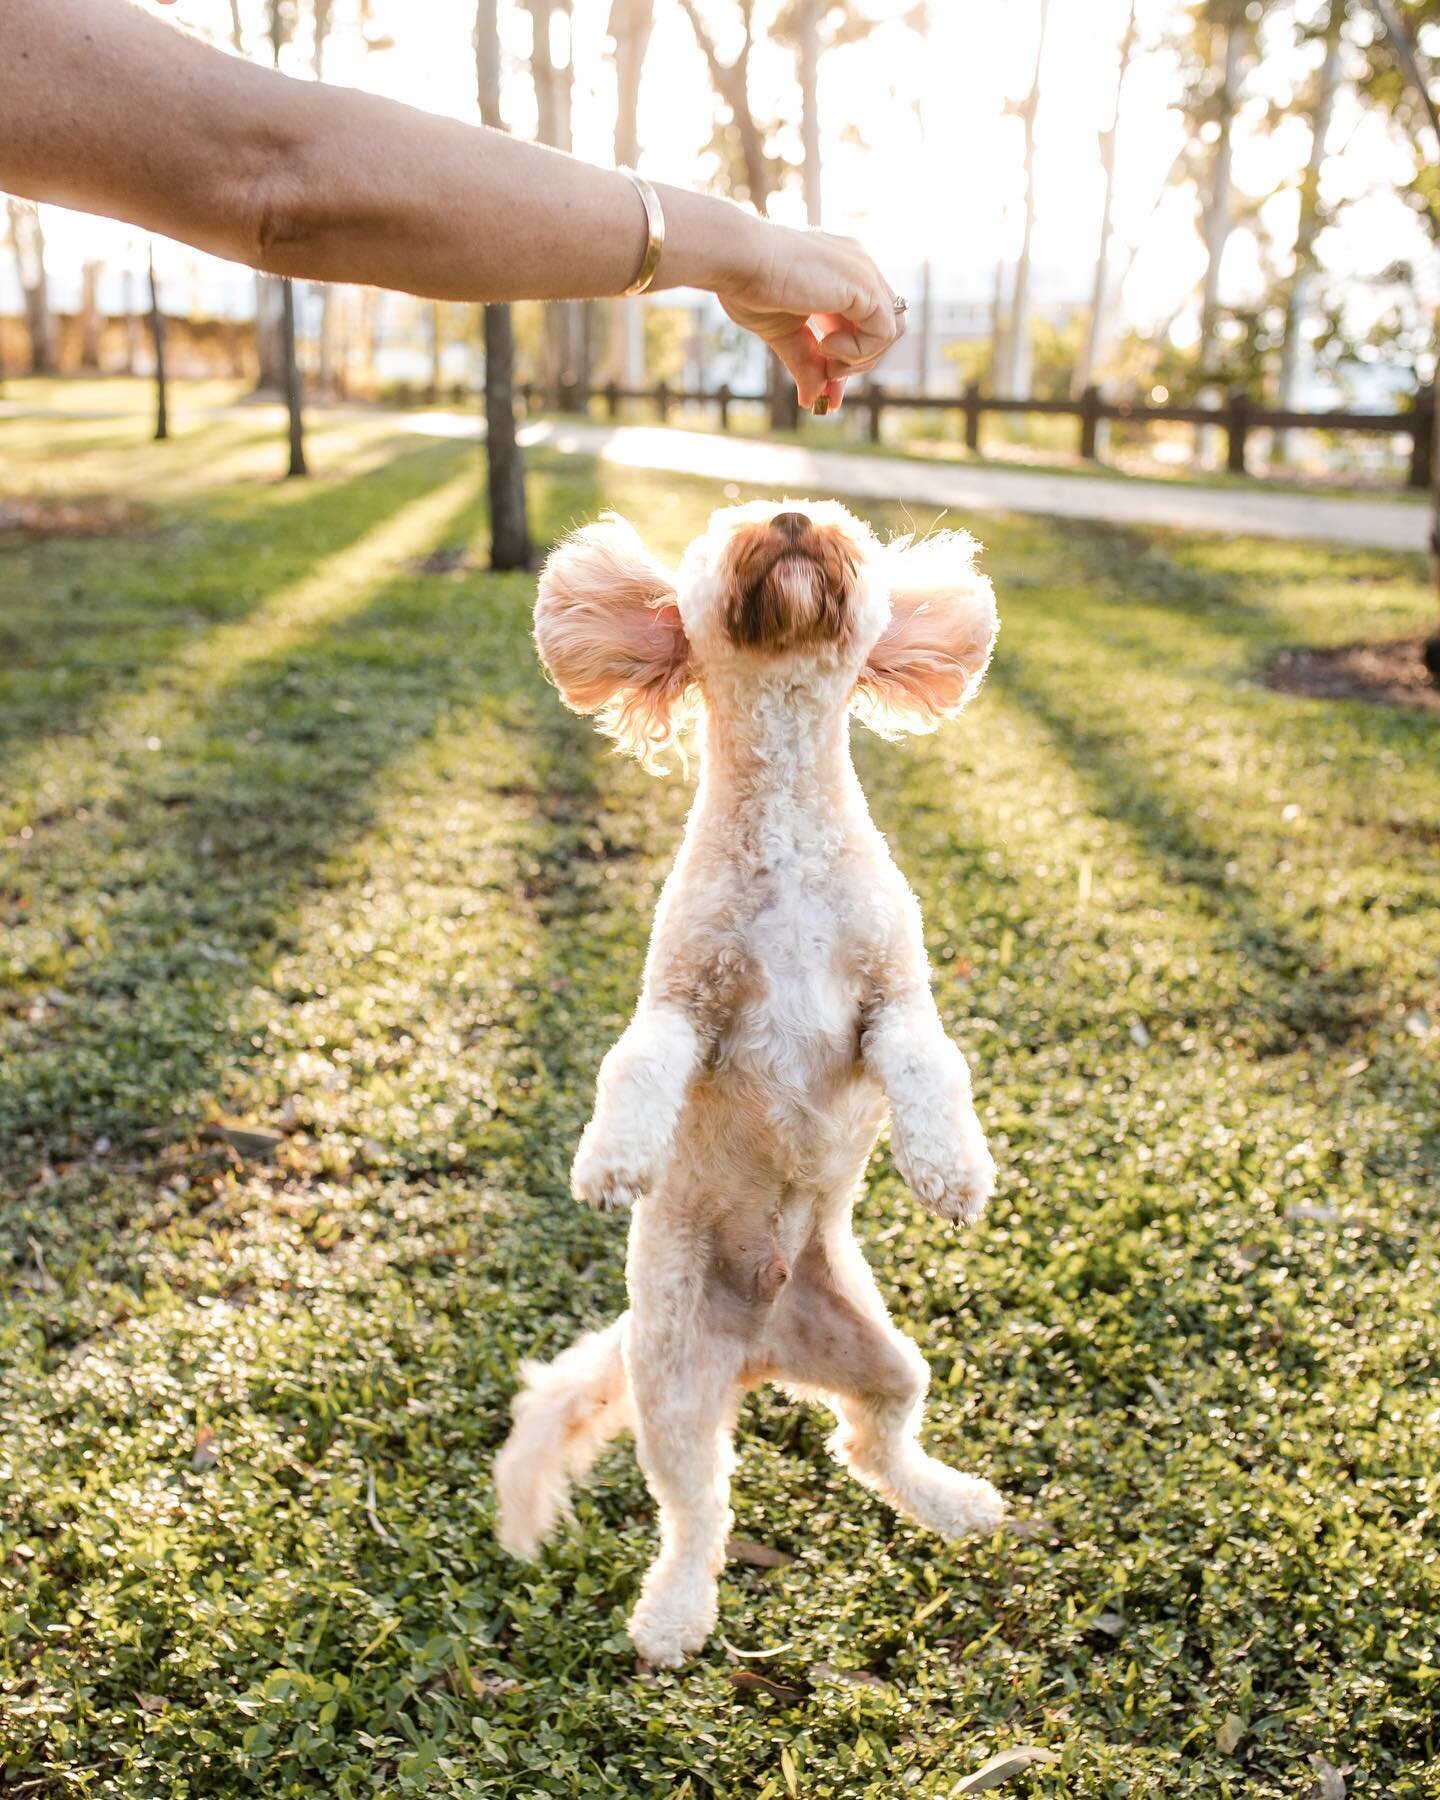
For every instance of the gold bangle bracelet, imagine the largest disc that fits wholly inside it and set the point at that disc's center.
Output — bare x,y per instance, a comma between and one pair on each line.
654,229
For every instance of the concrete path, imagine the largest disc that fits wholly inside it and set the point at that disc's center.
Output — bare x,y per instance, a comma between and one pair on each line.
962,491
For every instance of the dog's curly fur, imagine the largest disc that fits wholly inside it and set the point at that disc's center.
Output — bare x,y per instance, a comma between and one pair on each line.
786,1000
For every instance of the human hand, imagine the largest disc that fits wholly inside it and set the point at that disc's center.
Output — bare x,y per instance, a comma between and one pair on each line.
820,303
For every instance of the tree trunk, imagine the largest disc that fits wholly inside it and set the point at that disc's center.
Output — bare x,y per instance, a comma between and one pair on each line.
732,84
157,339
132,319
505,467
91,323
27,240
1307,229
631,22
1095,329
1018,374
436,351
564,346
1217,210
999,334
269,335
296,464
808,30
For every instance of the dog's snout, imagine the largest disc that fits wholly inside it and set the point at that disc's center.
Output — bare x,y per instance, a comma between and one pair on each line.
793,524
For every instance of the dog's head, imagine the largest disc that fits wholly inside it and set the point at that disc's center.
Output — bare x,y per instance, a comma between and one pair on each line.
904,629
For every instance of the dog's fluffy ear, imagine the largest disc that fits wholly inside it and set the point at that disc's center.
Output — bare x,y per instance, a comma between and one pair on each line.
932,656
608,630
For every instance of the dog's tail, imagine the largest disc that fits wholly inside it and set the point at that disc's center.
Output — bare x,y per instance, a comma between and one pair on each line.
565,1414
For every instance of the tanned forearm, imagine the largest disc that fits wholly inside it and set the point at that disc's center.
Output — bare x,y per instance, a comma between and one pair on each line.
104,108
329,184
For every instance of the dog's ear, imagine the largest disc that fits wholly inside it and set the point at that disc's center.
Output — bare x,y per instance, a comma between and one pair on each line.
608,630
932,656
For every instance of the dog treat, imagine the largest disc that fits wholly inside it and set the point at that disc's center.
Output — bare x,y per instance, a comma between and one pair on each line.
786,1006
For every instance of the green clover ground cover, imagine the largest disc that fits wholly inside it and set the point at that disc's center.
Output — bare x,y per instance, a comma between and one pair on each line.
294,832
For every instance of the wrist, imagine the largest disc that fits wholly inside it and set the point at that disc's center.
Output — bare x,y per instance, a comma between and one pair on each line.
710,243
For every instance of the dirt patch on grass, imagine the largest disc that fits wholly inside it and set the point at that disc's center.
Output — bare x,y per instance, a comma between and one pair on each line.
40,517
1388,674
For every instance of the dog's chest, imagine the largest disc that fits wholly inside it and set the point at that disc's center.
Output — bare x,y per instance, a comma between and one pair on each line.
797,1019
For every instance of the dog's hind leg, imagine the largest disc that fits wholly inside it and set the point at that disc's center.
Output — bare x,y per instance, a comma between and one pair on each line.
685,1378
565,1414
834,1340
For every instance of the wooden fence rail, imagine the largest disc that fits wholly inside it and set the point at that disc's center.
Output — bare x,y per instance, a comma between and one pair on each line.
1237,418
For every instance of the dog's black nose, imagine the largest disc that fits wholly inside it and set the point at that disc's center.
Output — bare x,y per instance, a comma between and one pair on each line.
793,524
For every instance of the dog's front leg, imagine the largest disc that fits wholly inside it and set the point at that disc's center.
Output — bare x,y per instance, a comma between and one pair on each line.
938,1144
638,1097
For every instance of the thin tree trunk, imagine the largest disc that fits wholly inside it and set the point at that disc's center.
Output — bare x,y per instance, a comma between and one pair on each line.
732,84
999,336
290,364
157,338
27,240
1217,210
90,321
1018,382
505,467
292,385
1095,329
1307,230
436,349
631,22
563,327
808,27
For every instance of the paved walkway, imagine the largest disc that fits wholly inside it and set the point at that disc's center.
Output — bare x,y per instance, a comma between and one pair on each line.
1384,524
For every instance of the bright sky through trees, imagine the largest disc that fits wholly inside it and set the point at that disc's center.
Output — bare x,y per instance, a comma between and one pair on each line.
921,158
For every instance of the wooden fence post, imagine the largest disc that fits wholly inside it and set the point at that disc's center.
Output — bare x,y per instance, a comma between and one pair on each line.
662,400
1089,423
1237,423
972,417
612,398
723,396
1422,436
875,400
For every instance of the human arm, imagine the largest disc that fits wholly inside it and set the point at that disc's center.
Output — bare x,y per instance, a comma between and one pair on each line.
105,108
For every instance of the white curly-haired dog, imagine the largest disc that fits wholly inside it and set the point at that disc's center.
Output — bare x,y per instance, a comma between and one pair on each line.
786,1000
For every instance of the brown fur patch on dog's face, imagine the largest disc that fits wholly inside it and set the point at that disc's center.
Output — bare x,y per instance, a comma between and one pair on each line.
787,589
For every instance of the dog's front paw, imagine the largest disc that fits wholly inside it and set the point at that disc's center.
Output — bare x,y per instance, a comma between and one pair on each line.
605,1177
951,1173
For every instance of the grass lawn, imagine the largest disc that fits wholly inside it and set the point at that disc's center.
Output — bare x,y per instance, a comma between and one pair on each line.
295,832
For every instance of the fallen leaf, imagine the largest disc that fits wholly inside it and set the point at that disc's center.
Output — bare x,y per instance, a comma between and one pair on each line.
1227,1738
247,1140
748,1682
1329,1782
1004,1766
759,1556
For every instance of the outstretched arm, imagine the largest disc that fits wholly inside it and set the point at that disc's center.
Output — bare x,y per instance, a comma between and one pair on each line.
939,1147
638,1097
105,108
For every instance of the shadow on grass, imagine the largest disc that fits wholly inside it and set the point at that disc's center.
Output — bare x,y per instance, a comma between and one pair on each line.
87,621
1299,998
189,906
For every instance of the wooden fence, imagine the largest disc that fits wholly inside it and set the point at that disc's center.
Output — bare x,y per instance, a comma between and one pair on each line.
1237,418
